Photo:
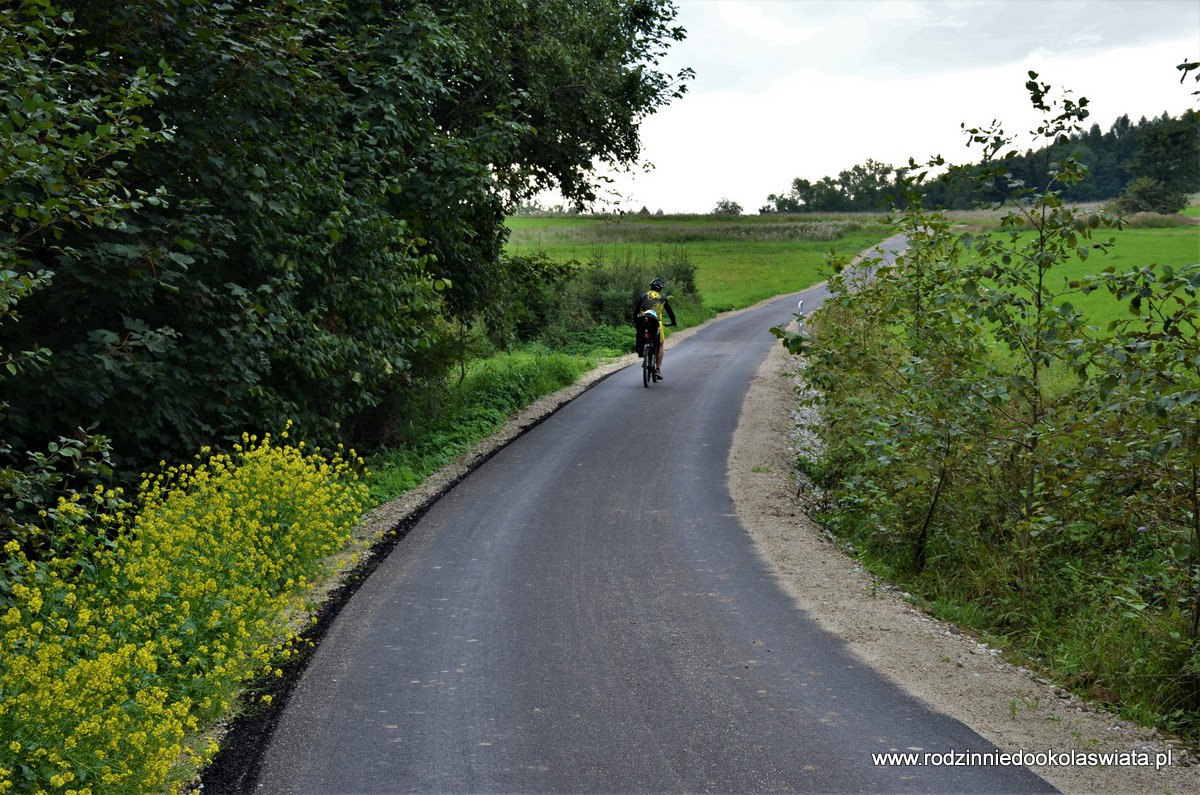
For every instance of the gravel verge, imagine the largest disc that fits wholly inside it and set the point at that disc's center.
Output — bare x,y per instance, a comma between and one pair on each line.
1012,707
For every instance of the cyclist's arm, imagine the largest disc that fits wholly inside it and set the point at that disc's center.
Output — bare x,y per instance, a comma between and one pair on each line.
670,312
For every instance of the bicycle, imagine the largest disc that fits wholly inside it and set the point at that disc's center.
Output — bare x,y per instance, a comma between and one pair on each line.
649,365
647,347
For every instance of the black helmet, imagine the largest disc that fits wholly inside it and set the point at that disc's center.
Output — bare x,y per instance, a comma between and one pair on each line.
657,284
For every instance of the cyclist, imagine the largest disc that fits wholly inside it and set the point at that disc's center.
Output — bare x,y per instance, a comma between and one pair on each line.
654,300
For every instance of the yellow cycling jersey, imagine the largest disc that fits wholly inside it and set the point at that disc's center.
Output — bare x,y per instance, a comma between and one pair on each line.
656,301
653,299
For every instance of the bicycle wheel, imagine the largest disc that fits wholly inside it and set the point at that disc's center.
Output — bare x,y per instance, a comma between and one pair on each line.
647,367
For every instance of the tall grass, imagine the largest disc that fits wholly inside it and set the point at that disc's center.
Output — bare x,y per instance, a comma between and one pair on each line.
477,406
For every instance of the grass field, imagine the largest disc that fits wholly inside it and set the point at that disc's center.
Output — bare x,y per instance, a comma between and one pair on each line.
1134,248
1175,246
740,260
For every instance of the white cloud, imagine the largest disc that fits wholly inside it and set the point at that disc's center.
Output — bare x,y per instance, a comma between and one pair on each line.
754,22
806,89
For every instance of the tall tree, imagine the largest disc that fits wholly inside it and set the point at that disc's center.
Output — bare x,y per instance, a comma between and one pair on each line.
1169,152
1164,150
859,188
333,178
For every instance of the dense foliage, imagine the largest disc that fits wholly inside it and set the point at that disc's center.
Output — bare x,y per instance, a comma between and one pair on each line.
862,188
1152,165
998,451
219,215
216,216
1164,152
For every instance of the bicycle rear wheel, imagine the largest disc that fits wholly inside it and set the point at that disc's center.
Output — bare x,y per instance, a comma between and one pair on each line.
648,365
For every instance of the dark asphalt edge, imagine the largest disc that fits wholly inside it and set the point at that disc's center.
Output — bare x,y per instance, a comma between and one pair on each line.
236,766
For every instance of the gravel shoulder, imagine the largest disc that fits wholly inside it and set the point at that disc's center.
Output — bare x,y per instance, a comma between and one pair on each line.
1010,706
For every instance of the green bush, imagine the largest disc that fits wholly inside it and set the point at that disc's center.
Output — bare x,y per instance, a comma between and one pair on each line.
1004,456
1147,195
605,289
527,296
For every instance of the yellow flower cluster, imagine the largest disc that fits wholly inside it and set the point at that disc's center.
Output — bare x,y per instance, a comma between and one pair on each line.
114,662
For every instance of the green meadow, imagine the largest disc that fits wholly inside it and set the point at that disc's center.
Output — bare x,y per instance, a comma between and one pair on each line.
1175,246
1134,247
741,260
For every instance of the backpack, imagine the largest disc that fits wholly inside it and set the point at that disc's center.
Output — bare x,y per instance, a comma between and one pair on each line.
647,333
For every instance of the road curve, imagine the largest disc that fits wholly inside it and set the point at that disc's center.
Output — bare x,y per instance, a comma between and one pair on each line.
585,613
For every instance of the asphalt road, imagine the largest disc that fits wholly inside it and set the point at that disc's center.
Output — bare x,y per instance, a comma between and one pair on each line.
585,613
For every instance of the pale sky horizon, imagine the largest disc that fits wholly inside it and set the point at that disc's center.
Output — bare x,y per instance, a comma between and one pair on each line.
809,88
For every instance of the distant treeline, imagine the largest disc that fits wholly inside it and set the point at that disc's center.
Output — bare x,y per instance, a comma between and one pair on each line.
1156,157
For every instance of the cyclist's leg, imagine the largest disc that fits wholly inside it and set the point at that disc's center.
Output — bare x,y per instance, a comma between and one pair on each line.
662,346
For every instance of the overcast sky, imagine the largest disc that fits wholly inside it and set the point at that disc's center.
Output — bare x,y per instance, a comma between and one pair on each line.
808,88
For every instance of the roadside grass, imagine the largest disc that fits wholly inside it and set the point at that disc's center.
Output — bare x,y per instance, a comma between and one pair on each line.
737,275
472,409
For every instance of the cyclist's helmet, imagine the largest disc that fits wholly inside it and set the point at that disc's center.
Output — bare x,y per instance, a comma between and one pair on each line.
657,284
